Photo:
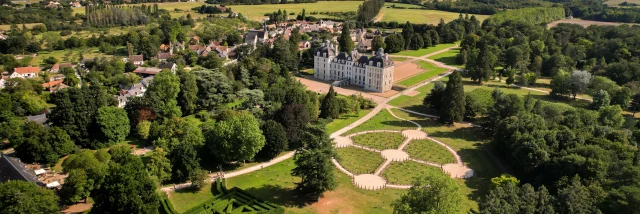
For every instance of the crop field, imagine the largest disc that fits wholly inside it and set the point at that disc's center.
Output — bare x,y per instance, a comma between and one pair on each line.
419,16
256,12
29,26
585,23
617,2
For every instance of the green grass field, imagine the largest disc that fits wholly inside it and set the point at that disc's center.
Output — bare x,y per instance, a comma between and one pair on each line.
382,121
344,121
359,161
379,140
617,2
29,26
469,143
398,59
431,71
419,16
69,55
424,51
448,58
275,184
406,172
429,151
185,199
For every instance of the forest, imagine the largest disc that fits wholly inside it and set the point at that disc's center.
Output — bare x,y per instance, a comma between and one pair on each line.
34,13
536,15
106,16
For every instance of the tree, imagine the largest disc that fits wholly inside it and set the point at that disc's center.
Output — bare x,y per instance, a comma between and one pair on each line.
275,139
214,88
127,189
76,110
198,179
211,61
294,117
600,100
42,145
344,41
622,97
504,179
188,94
143,129
113,124
436,97
159,165
635,104
394,43
184,161
576,198
453,104
26,197
560,84
237,138
330,108
77,186
510,75
162,94
611,116
408,35
433,193
377,43
578,82
313,163
416,42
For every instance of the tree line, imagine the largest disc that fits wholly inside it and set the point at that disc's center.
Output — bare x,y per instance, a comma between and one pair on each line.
105,16
368,10
537,15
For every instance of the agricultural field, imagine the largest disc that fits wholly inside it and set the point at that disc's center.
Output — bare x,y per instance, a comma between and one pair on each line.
427,150
379,140
71,55
424,51
431,71
420,16
359,161
406,172
585,23
617,2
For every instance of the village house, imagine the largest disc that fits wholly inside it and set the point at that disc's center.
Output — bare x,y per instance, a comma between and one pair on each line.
163,57
59,66
200,50
25,72
137,90
224,52
169,66
84,62
364,45
53,86
253,37
303,45
75,4
147,71
136,60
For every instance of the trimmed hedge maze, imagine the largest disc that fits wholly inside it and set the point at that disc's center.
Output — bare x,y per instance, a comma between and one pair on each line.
379,140
234,200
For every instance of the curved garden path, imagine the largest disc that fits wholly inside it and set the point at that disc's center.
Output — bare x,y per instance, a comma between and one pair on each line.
382,103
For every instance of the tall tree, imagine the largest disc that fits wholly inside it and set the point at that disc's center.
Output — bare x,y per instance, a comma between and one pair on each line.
127,189
188,94
330,107
378,42
600,100
236,138
407,35
275,139
184,162
433,193
159,165
77,186
26,197
578,82
394,43
436,97
344,41
162,94
113,125
453,104
313,163
635,104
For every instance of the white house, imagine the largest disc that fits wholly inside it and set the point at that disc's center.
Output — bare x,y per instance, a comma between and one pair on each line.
25,72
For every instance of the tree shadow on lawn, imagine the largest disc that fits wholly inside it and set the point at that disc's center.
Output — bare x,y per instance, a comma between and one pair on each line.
278,194
484,168
448,60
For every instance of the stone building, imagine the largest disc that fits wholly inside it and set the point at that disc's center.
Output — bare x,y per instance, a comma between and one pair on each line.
372,73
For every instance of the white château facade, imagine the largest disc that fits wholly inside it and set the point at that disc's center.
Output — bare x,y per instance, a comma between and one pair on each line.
374,73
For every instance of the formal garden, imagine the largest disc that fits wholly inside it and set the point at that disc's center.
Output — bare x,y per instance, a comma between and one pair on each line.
379,140
405,173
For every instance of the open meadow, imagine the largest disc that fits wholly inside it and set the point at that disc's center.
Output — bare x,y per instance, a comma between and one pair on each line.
420,16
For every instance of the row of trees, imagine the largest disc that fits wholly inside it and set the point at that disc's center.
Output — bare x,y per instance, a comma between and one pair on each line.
106,16
368,10
536,15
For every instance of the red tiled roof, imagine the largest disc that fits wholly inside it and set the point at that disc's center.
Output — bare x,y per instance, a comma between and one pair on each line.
51,84
147,70
136,58
26,70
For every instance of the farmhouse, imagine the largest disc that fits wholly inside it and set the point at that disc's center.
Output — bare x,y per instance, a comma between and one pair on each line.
374,74
137,90
25,72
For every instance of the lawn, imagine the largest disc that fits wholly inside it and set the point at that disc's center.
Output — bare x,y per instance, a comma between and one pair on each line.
431,71
185,199
448,57
429,151
398,59
275,184
359,161
382,121
469,143
424,51
69,55
345,120
406,172
379,140
415,103
419,16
